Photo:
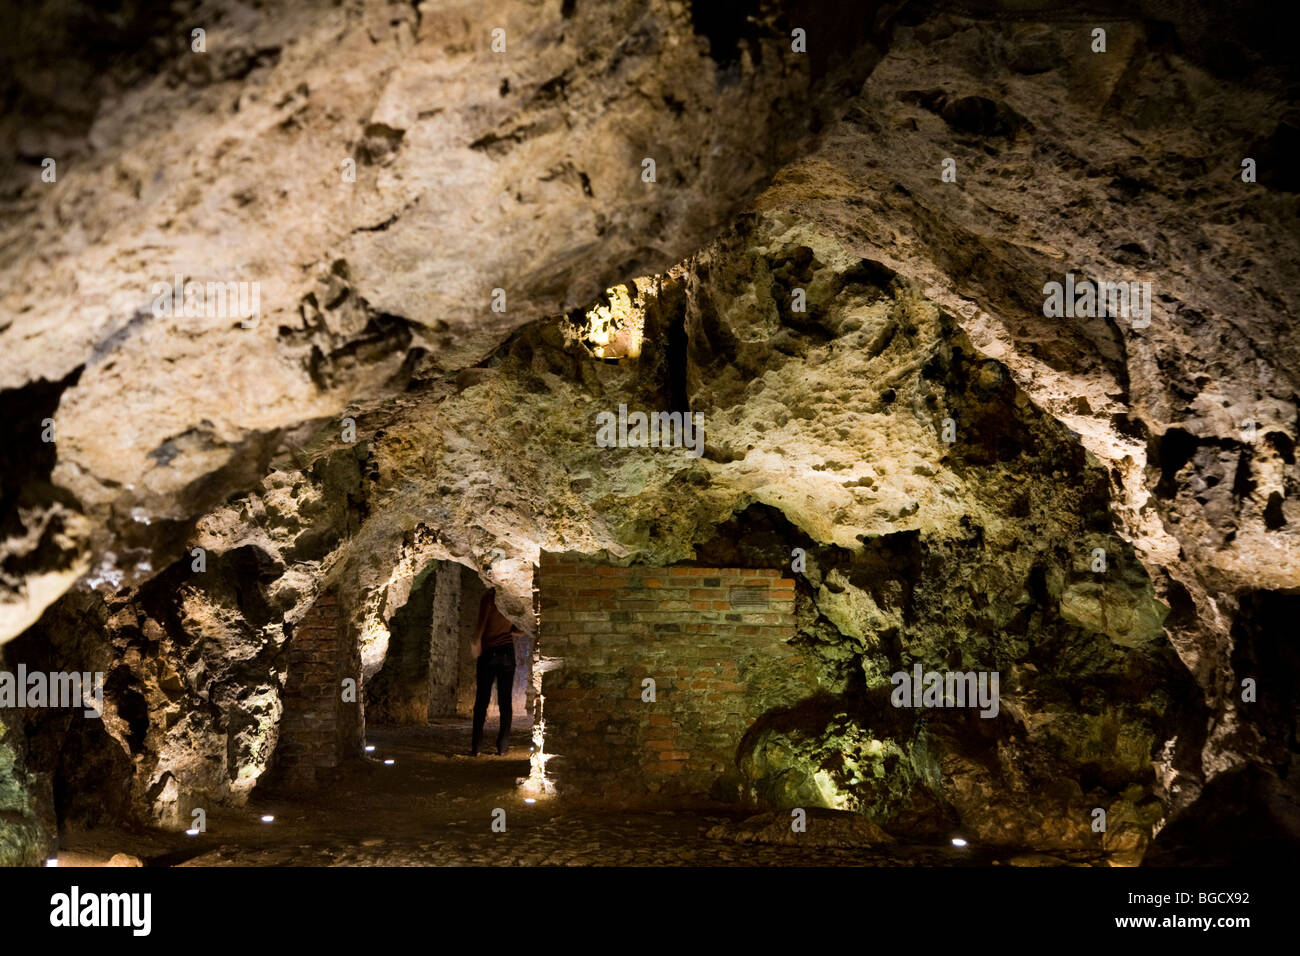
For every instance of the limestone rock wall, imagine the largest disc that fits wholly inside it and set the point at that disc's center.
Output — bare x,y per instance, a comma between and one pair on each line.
950,457
1124,166
825,429
378,169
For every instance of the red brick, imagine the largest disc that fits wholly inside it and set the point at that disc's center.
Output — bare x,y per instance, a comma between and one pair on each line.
634,604
666,766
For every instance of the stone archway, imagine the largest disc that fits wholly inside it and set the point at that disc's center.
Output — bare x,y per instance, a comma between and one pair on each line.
428,670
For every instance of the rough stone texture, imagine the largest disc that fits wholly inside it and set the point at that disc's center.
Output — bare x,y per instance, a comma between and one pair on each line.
475,170
475,429
1123,165
196,659
27,821
823,432
399,692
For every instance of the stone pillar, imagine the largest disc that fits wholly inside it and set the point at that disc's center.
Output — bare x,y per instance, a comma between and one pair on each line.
471,592
444,668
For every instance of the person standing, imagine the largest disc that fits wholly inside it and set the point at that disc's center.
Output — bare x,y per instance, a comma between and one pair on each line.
494,646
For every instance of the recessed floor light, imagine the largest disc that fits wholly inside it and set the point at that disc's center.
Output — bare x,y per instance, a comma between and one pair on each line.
267,818
958,841
389,762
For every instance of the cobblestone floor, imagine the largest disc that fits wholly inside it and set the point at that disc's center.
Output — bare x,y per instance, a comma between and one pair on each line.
434,807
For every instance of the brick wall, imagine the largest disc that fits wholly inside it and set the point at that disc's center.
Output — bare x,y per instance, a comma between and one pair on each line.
713,639
318,730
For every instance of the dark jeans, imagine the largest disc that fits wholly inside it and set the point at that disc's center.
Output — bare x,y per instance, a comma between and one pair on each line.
496,665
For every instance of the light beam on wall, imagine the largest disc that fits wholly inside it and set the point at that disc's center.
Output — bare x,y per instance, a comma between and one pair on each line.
537,783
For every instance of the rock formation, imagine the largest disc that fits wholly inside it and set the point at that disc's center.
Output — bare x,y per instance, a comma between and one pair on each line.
837,257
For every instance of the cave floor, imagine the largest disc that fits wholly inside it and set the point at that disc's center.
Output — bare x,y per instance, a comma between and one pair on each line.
434,807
